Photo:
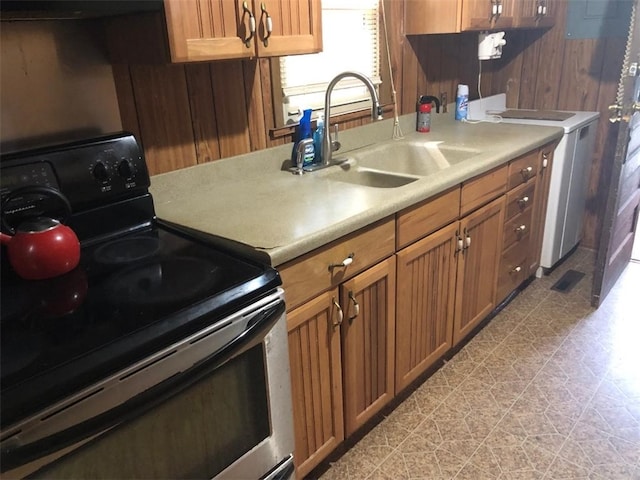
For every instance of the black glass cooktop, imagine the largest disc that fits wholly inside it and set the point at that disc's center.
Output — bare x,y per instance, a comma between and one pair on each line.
127,298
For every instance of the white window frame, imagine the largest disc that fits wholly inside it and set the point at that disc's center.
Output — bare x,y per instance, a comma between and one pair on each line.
304,78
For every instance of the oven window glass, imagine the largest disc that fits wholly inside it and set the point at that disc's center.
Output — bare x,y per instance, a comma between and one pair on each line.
196,434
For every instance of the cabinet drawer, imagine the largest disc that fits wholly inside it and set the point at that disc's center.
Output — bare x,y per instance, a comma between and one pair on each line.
311,274
513,268
426,217
519,199
523,169
481,190
516,228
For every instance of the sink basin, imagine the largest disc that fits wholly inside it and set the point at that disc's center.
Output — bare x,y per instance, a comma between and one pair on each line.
371,178
412,158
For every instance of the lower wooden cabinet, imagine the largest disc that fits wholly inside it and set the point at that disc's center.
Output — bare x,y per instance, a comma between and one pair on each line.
478,262
316,379
368,342
543,183
341,349
367,323
425,303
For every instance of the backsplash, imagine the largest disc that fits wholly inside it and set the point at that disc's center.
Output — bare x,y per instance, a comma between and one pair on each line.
57,85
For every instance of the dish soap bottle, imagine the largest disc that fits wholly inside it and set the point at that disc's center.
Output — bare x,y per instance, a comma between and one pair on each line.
317,139
304,131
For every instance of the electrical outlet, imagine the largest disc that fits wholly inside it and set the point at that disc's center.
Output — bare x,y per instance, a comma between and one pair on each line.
443,101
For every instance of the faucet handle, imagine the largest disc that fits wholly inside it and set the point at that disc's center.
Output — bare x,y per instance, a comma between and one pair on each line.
335,144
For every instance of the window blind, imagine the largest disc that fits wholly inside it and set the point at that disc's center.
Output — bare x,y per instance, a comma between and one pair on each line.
350,42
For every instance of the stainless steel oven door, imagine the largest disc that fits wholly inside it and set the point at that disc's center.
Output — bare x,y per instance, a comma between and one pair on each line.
215,405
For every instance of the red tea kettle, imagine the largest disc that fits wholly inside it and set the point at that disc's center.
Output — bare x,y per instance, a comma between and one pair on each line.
40,247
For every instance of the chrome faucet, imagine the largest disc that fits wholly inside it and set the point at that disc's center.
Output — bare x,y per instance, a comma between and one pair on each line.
328,146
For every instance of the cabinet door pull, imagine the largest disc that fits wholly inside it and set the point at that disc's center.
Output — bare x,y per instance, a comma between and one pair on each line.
339,313
523,201
268,24
494,8
356,307
459,243
545,160
517,269
467,241
520,229
252,23
345,263
526,172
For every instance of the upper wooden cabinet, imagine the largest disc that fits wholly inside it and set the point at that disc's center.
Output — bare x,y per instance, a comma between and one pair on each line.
204,30
453,16
535,13
221,29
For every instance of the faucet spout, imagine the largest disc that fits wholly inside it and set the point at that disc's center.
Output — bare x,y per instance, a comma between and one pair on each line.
376,110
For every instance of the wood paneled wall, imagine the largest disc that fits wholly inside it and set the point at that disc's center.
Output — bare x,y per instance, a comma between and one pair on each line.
195,113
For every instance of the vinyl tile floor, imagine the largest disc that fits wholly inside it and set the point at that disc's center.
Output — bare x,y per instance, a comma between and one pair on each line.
549,389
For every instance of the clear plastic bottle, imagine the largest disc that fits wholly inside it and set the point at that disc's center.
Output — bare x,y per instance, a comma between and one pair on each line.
317,139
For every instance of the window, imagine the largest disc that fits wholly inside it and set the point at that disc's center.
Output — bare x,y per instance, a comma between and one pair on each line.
350,42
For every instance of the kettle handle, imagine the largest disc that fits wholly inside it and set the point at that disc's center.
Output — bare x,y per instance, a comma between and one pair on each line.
34,190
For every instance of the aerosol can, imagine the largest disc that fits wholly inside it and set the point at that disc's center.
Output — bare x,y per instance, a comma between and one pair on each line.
423,120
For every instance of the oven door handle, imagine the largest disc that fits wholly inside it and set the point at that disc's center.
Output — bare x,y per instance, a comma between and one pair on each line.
257,327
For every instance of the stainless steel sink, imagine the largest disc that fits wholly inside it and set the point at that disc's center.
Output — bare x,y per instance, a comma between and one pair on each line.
412,158
371,178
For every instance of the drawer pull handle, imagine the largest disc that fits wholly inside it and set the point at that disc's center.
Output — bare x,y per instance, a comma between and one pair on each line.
520,229
518,269
523,201
345,263
526,172
356,307
339,313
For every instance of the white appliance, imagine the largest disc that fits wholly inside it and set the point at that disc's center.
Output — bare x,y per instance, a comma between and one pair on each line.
569,175
490,45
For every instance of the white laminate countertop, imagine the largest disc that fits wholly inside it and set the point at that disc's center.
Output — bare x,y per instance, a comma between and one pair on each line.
254,200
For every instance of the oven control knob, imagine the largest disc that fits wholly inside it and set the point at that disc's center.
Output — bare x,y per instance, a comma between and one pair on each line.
126,168
100,172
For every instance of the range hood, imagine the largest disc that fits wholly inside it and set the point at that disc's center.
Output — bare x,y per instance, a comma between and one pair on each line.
73,9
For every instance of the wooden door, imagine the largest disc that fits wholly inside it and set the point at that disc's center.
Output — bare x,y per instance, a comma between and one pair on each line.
621,213
316,379
288,27
483,14
200,30
535,13
368,342
478,264
424,303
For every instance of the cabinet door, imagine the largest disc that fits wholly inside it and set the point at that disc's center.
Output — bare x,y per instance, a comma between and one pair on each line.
535,13
208,30
483,14
316,379
368,342
424,303
478,264
432,16
288,27
200,30
541,199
